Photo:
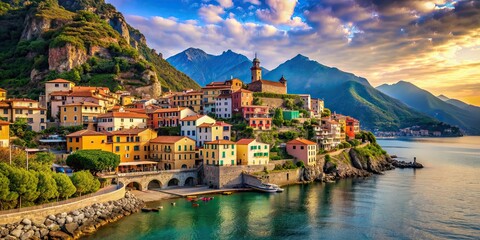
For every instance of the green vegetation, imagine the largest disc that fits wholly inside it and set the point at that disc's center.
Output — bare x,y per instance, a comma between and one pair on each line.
326,112
93,160
286,166
275,95
369,151
85,182
169,131
366,136
278,117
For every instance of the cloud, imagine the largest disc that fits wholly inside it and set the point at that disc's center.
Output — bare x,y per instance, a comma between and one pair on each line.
225,3
280,12
211,13
254,2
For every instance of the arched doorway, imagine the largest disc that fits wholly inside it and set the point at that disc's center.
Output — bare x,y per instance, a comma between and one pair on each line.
190,181
154,184
173,182
134,186
184,166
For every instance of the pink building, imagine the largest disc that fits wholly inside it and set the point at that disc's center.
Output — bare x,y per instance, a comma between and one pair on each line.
303,150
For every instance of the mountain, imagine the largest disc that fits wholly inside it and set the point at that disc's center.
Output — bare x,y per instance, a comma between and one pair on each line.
205,68
425,102
85,41
347,94
460,104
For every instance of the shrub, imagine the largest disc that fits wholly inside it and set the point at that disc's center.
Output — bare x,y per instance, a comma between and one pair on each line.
93,160
289,165
300,164
65,186
85,182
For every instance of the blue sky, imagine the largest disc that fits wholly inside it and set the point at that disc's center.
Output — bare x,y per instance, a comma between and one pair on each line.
433,43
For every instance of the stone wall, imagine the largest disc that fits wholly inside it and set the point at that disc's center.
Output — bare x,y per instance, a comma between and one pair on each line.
272,102
73,224
281,178
231,176
41,212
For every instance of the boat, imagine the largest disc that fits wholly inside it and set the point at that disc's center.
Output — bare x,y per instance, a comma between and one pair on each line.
265,187
147,209
227,193
195,205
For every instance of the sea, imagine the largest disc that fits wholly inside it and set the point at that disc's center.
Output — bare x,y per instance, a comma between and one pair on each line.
440,201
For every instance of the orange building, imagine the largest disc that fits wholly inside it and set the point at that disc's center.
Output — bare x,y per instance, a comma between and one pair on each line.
4,134
303,150
170,117
241,98
352,128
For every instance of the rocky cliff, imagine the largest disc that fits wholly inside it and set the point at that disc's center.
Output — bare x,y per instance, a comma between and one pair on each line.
85,41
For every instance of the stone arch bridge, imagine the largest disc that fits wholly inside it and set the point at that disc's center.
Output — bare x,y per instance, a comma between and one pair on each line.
158,179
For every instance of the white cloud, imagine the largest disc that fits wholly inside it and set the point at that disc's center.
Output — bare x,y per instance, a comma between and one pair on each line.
225,3
254,2
211,13
280,12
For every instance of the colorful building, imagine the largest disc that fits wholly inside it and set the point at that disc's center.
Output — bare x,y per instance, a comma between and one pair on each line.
251,152
131,144
317,107
219,152
4,134
303,150
223,105
55,86
3,94
114,121
189,98
290,114
173,152
260,85
22,108
170,117
258,117
80,114
87,140
207,132
353,127
241,98
342,120
213,89
189,125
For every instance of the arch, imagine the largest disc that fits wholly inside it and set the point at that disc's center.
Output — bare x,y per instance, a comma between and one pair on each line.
190,181
134,186
184,166
173,182
154,184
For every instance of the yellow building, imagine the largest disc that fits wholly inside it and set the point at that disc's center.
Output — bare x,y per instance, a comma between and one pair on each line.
114,121
132,144
87,140
207,132
78,114
342,120
173,152
126,100
251,152
22,108
189,98
4,134
219,152
3,94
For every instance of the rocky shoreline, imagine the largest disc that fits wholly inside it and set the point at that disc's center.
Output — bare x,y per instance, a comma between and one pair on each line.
73,225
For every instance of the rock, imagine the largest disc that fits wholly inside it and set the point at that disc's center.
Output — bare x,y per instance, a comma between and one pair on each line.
38,223
63,214
19,227
71,228
68,219
16,233
10,237
76,213
53,227
81,216
59,235
26,221
4,232
27,227
61,221
37,234
52,217
27,235
48,222
43,232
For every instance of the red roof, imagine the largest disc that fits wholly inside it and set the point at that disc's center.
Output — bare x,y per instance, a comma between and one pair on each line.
85,133
123,115
244,90
267,82
222,123
59,80
2,90
168,139
192,118
301,141
4,122
163,110
133,131
245,141
83,104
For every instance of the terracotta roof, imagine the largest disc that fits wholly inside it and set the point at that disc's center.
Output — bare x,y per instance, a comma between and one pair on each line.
215,83
220,142
222,123
254,106
168,139
192,118
224,95
206,125
245,141
267,82
85,133
123,115
217,87
2,90
162,110
133,131
137,110
107,133
301,141
244,90
59,80
20,100
4,122
83,104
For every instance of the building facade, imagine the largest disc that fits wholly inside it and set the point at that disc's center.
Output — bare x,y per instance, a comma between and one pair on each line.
219,152
173,152
260,85
21,108
170,117
251,152
114,121
303,150
80,114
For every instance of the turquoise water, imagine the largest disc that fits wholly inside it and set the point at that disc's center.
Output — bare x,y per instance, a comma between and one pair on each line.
441,201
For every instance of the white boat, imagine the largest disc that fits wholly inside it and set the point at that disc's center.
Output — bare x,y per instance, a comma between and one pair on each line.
267,187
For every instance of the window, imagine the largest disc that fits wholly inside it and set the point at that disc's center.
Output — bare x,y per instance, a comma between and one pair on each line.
294,147
118,139
57,85
223,154
77,139
127,148
127,155
179,148
70,139
74,109
5,111
136,148
301,147
30,111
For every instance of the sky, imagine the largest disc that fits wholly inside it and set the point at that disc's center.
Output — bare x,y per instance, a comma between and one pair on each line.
434,44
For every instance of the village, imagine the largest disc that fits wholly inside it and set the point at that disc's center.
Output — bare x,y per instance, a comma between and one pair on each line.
228,123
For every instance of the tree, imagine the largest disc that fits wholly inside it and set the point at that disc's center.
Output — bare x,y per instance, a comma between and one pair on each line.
84,182
93,160
47,187
5,194
289,103
278,117
42,161
65,186
24,183
257,101
326,112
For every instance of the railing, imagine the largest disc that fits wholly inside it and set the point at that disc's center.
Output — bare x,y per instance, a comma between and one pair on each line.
131,174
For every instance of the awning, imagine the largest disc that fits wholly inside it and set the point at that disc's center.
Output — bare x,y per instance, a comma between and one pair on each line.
136,163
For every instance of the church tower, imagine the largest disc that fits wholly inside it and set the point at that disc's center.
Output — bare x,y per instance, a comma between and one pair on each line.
256,70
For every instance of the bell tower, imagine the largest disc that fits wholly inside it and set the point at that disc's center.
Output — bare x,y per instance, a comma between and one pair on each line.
256,70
